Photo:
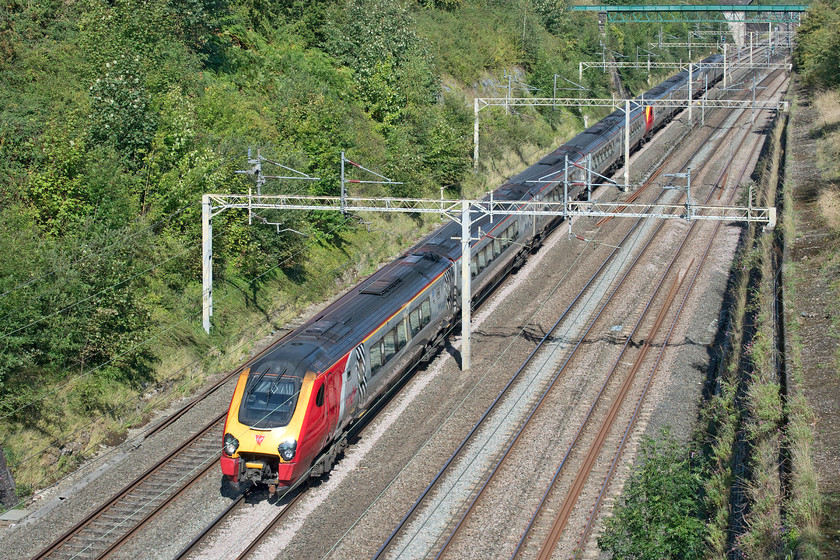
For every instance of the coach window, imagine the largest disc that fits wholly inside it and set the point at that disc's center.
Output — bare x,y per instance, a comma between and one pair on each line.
402,334
497,247
482,262
425,313
319,398
375,356
414,321
473,267
389,342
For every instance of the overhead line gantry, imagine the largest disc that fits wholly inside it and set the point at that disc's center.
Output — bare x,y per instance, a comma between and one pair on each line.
697,13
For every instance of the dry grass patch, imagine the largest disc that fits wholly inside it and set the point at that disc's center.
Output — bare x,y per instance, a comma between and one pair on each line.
828,104
829,205
827,127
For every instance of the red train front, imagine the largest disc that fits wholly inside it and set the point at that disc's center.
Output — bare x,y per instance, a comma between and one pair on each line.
282,414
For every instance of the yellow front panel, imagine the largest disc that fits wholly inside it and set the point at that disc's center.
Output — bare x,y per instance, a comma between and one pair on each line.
266,441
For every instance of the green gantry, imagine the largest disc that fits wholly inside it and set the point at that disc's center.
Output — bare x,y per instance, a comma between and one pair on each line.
698,13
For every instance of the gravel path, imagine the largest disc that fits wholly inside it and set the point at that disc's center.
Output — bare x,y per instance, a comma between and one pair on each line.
815,309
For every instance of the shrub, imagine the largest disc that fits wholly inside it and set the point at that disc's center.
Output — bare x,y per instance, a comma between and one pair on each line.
661,516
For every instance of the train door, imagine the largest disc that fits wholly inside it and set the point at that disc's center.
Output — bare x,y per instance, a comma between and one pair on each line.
317,426
352,386
333,401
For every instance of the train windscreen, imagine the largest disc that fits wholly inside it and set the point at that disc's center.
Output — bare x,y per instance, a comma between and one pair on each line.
269,400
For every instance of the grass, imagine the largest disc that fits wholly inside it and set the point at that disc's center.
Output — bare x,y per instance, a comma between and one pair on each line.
827,103
782,518
808,507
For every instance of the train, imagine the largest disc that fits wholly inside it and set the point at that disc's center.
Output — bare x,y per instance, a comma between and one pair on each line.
292,407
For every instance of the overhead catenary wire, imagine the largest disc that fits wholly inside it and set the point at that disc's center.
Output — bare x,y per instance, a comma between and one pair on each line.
143,343
195,314
102,291
97,294
135,347
118,243
56,287
147,340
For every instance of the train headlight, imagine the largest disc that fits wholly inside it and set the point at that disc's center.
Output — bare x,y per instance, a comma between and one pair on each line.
231,445
287,449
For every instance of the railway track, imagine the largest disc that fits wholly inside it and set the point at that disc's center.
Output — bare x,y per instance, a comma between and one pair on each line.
107,528
102,531
594,510
547,539
660,319
294,494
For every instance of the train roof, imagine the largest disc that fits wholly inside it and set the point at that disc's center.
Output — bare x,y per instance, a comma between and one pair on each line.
323,340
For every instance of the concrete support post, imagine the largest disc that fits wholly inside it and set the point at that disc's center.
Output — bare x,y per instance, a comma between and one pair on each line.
724,65
751,48
207,262
475,135
343,191
688,211
580,72
770,43
566,188
626,145
508,96
690,96
466,287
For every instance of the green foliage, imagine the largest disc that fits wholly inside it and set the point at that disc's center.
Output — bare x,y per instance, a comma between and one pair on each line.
87,313
441,4
662,512
817,53
119,113
376,38
57,190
